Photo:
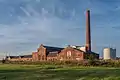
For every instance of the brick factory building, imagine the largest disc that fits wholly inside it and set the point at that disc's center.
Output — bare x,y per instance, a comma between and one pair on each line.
19,58
48,53
54,53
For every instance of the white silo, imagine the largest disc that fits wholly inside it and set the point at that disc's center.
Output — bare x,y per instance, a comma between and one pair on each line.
106,53
109,53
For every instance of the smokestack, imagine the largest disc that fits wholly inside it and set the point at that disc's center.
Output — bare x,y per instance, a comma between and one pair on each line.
88,32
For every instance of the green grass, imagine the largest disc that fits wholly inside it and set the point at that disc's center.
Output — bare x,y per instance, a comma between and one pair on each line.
50,72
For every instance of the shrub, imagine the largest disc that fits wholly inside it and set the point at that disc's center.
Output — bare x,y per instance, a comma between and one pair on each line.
3,61
92,62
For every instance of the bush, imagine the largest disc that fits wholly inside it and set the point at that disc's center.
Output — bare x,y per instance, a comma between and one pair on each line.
102,63
3,61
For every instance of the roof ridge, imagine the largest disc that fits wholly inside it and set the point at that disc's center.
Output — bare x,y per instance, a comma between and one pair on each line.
51,46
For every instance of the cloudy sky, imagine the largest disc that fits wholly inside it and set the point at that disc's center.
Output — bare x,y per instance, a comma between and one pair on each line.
25,24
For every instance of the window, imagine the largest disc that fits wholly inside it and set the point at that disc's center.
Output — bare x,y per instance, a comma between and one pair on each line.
77,58
68,53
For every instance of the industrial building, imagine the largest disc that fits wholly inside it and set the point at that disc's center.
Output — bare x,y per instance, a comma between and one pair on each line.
20,58
68,53
109,53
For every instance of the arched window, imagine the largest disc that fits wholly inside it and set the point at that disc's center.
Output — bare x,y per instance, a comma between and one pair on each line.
69,54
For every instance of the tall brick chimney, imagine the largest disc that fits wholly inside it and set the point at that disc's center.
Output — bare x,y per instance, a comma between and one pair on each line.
88,32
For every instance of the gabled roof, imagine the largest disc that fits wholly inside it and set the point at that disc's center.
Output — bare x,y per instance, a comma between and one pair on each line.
50,48
78,50
75,49
87,52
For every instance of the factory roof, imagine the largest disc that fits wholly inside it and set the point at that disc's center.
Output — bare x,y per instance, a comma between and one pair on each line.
52,51
26,56
22,56
12,56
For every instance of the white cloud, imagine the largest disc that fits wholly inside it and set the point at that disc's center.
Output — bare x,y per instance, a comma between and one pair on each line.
26,12
36,28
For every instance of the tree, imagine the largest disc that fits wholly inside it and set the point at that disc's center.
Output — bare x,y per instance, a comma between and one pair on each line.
3,60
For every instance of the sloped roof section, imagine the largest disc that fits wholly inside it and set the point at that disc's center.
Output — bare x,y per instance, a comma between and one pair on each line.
49,48
26,56
12,56
52,51
22,56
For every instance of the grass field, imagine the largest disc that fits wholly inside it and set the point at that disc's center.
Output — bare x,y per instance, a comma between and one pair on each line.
38,72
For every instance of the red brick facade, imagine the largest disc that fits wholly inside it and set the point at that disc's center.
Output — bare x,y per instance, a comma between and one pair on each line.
54,53
68,53
35,56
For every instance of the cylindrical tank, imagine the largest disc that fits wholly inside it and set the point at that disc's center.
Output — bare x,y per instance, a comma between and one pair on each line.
106,53
109,53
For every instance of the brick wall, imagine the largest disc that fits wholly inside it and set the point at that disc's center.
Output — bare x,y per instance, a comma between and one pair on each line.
70,54
35,56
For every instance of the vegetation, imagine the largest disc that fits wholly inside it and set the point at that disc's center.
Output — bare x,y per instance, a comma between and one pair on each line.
50,72
90,62
60,70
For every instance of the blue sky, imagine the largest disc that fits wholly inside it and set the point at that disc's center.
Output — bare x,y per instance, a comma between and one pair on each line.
25,24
